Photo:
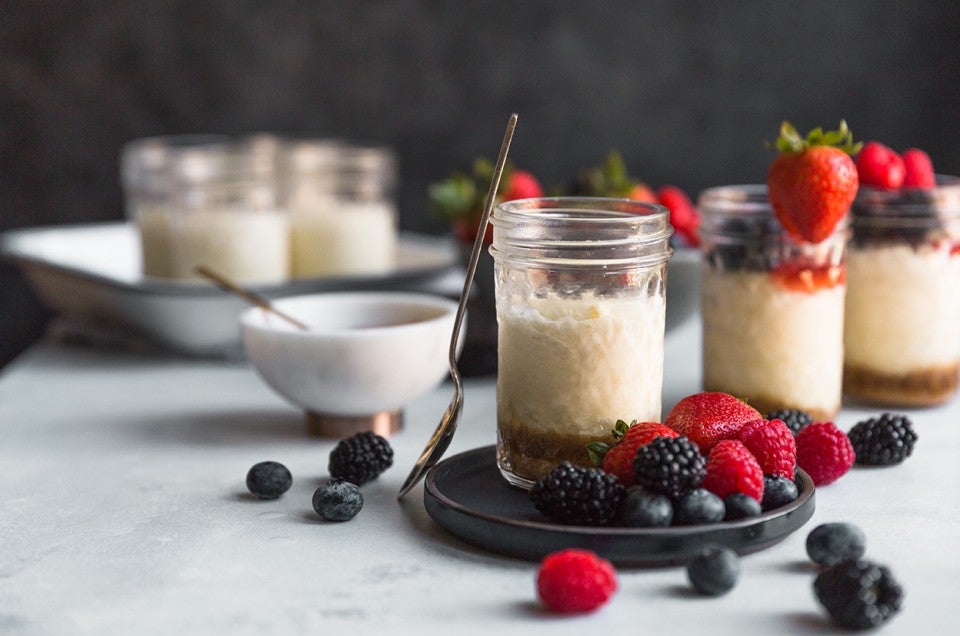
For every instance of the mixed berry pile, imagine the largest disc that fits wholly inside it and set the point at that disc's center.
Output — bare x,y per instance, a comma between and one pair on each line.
713,459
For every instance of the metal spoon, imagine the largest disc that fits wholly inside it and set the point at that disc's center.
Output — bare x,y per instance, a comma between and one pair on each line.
254,299
441,437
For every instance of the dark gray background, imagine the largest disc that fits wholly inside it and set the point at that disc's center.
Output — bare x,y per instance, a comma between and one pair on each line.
686,90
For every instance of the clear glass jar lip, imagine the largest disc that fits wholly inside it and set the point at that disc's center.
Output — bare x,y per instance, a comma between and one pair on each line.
748,198
942,200
582,210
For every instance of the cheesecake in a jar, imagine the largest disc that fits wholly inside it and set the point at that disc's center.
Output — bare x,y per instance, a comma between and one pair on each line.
580,296
902,334
772,306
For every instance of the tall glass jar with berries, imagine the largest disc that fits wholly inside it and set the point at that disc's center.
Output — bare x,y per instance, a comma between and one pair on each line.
902,335
772,305
580,299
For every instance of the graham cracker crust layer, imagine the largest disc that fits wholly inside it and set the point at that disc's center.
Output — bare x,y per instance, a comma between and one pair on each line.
530,455
924,387
766,404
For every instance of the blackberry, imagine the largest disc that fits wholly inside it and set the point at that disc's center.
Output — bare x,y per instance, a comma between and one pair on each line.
580,496
831,543
360,458
740,506
669,465
269,480
699,506
858,594
338,500
714,570
795,419
883,441
778,491
643,509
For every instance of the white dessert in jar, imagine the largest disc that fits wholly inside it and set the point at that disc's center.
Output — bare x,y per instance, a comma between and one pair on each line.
902,333
343,238
249,246
569,368
774,346
580,294
772,306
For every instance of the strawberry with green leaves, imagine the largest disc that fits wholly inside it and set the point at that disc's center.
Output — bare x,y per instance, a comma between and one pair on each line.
618,459
813,180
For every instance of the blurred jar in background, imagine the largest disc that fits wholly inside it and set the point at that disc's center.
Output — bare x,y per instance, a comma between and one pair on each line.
902,329
341,203
208,201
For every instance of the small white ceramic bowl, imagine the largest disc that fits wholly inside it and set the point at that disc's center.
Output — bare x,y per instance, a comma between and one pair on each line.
365,353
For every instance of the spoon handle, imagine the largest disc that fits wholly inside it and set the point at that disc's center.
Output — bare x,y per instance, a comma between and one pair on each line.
254,299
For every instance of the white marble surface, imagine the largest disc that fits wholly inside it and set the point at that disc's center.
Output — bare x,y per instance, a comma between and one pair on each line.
123,511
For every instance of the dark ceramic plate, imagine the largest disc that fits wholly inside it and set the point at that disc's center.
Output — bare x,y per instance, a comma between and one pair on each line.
466,495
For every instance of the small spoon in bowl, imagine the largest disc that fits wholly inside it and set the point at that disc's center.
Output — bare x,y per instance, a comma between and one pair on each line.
254,299
441,437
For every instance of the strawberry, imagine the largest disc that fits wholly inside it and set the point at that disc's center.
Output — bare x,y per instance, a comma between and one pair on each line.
683,214
772,443
880,167
618,459
707,418
642,192
521,185
731,468
813,181
919,170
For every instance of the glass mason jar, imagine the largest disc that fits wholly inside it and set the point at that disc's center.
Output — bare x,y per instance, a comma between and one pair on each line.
341,202
207,201
902,335
772,306
580,297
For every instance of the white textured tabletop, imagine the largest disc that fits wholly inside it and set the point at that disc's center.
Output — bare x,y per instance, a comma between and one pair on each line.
123,511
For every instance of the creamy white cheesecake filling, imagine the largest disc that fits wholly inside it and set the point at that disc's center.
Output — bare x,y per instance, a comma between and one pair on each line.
575,366
902,308
764,341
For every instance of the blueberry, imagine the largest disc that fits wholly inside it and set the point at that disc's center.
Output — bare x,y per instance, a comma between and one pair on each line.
699,506
831,543
778,491
740,506
269,480
644,509
338,500
714,570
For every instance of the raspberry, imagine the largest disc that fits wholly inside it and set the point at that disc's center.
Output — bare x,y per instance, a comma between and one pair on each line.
572,581
714,570
795,419
579,496
269,480
670,466
731,468
707,418
618,460
825,452
772,444
880,167
883,441
858,594
360,458
831,543
919,170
